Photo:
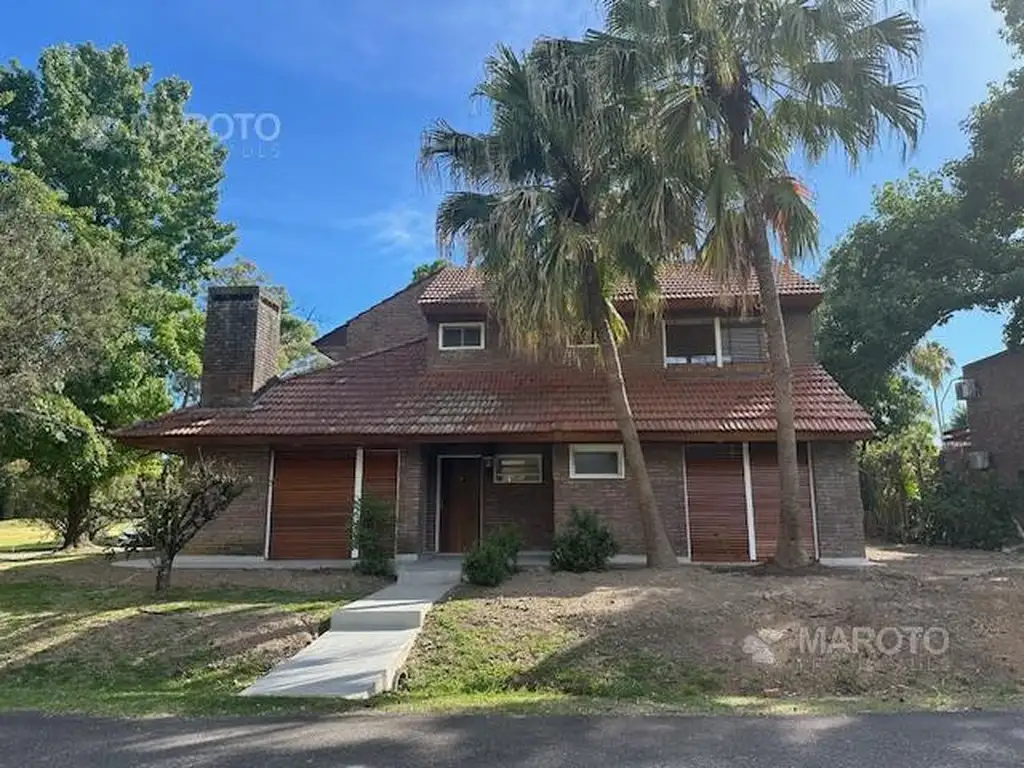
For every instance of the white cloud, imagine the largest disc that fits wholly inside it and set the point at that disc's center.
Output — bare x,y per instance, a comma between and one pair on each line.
401,229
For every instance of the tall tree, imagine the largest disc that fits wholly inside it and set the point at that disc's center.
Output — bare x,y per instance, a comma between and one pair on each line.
61,282
933,363
560,203
94,127
122,152
741,86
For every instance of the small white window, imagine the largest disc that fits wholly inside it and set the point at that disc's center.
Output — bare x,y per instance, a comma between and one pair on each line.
596,462
516,469
460,336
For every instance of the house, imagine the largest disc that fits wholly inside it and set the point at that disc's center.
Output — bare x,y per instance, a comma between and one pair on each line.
423,407
993,389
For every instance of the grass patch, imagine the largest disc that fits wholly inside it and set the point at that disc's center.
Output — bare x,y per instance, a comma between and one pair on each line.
77,635
25,536
462,662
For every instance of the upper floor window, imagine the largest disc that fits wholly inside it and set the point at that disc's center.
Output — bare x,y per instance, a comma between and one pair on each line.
713,341
460,336
742,341
691,342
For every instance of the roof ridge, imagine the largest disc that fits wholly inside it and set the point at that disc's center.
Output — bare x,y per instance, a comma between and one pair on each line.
372,307
277,381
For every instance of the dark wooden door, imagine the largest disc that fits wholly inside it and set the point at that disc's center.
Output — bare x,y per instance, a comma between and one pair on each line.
460,504
718,503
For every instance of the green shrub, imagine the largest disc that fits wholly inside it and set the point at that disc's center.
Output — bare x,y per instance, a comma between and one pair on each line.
585,544
493,558
373,534
969,511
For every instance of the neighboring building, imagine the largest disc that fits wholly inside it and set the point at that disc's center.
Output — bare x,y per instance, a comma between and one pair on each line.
441,420
993,389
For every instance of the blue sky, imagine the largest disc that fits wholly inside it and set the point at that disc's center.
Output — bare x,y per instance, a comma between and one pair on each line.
332,206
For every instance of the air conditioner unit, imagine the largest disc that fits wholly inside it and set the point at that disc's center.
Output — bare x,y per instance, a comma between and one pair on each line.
978,460
967,389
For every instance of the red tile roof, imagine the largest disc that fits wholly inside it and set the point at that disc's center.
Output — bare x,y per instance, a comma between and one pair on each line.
464,285
392,394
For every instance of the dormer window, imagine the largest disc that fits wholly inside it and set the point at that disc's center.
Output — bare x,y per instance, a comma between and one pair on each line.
692,342
460,336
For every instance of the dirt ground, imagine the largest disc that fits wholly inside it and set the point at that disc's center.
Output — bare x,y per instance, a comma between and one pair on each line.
914,622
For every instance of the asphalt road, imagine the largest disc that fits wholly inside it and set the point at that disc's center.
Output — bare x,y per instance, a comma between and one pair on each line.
907,741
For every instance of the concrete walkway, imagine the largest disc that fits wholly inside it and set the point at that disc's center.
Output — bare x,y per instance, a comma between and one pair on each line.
364,651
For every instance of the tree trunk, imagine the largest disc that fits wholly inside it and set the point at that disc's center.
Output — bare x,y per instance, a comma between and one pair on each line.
789,549
77,514
659,549
938,412
163,575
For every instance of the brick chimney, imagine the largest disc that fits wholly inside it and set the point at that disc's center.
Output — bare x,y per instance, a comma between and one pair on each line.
243,332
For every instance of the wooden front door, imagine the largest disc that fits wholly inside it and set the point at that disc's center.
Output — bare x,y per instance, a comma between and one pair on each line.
460,503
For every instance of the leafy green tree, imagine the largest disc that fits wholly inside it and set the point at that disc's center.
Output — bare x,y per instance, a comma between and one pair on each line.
910,266
741,85
94,127
424,271
933,363
559,202
61,282
122,152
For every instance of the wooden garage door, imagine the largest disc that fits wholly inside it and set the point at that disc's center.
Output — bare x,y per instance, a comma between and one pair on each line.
717,503
764,481
311,506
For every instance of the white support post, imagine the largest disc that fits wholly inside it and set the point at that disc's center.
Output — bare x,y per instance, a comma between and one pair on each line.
686,509
748,486
718,341
814,502
357,496
270,503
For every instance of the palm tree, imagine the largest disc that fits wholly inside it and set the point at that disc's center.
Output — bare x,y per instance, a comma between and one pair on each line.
742,85
559,204
933,363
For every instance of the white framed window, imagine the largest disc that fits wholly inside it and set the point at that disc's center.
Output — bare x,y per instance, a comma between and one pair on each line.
596,461
518,469
693,342
743,341
460,336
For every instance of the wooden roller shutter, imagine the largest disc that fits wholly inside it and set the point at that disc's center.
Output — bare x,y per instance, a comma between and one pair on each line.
717,503
311,508
764,477
380,475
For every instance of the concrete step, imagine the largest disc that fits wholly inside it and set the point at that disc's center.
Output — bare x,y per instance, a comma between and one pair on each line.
350,665
398,607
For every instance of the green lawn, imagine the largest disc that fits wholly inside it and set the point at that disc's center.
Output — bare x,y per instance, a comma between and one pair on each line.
82,636
25,536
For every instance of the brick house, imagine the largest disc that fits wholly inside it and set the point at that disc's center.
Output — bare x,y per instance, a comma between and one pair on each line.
993,389
423,407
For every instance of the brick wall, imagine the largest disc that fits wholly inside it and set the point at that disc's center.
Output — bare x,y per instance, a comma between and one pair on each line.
615,500
800,336
412,495
394,320
996,416
243,328
528,507
837,499
241,528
